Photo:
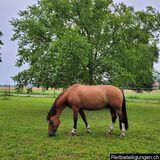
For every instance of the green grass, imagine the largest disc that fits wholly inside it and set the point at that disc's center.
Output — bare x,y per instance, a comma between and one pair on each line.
154,95
23,132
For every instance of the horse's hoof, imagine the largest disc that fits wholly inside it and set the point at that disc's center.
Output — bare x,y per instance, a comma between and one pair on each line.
88,130
122,135
73,132
110,131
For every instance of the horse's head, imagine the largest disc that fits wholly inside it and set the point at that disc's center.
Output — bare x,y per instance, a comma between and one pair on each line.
53,124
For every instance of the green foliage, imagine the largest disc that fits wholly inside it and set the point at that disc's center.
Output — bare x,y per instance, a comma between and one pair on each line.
23,132
88,41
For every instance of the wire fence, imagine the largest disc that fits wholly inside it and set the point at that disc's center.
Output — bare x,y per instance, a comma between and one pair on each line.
9,90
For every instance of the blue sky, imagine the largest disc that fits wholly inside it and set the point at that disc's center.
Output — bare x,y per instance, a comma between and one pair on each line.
9,10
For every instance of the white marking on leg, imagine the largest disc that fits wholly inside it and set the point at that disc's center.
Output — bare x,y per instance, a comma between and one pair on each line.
123,127
88,129
111,128
73,132
123,131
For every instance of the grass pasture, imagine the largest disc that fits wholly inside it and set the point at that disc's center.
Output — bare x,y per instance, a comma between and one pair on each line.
153,95
23,132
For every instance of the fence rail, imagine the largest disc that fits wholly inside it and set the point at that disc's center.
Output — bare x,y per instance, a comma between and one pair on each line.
8,90
130,93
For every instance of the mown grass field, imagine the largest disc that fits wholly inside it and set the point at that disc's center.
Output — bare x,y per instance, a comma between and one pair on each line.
153,95
23,132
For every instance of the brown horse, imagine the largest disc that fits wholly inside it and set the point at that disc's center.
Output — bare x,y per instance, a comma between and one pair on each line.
80,97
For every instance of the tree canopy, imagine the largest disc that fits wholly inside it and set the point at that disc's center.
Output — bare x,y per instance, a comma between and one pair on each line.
87,41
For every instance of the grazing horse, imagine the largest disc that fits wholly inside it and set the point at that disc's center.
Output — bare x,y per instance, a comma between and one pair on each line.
84,97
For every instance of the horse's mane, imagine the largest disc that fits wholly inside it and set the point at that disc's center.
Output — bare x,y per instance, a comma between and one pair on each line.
54,106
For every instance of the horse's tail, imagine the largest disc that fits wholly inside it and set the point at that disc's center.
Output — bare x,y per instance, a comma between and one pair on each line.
124,113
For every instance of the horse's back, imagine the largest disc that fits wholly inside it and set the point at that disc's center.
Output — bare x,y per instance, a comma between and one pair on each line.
94,97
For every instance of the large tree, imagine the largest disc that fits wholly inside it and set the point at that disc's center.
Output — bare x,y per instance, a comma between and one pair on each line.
87,41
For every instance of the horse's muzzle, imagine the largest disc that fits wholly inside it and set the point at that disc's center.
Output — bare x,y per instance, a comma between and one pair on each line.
52,134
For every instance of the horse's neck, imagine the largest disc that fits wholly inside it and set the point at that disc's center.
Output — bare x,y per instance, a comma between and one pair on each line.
59,110
60,106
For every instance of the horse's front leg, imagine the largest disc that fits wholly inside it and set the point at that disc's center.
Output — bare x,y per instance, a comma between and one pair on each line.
75,118
85,120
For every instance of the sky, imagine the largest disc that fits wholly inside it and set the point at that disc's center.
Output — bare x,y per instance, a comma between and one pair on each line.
9,9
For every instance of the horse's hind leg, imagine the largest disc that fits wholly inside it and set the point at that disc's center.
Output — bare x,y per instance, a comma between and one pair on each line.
114,117
122,124
85,120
